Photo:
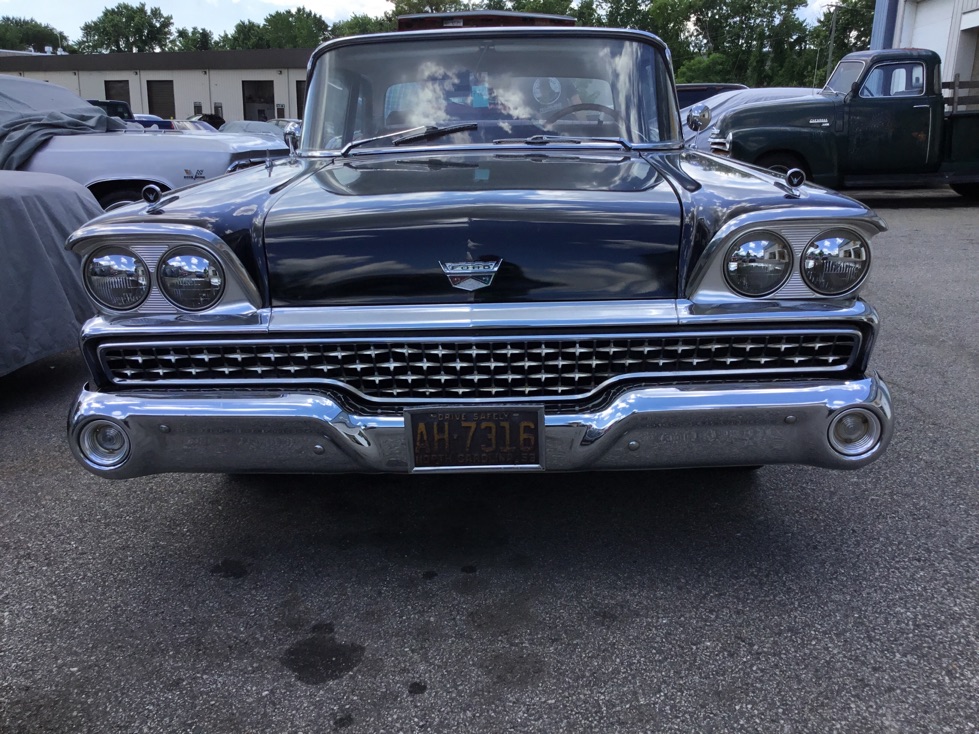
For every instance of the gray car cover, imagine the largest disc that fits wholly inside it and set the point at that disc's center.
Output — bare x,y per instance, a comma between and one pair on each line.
42,300
32,112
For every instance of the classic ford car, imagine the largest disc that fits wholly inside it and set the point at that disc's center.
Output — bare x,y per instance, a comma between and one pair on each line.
491,252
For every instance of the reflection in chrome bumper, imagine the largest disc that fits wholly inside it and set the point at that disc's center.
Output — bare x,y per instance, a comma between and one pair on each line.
650,427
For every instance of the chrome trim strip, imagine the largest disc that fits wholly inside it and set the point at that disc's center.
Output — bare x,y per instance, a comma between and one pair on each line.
579,315
390,319
698,425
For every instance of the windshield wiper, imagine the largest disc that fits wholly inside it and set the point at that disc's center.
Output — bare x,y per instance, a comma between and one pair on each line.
364,141
433,131
548,139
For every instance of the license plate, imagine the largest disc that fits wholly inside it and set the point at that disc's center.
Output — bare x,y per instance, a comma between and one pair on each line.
457,438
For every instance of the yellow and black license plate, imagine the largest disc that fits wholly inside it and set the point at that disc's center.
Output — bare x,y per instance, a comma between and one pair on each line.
444,438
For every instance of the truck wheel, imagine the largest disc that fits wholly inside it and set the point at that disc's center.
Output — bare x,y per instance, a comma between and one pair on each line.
968,190
119,196
783,162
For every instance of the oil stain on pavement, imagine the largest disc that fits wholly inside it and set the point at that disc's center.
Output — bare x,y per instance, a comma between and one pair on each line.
320,657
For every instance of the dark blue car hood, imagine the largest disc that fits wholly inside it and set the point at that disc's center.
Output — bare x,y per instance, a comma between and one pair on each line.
566,226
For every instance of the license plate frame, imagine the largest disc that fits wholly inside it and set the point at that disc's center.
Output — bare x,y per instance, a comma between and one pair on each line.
518,431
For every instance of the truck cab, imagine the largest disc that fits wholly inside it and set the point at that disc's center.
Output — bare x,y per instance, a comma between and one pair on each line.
880,121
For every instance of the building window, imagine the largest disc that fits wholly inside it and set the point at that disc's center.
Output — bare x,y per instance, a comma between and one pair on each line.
159,95
259,100
300,97
118,90
198,108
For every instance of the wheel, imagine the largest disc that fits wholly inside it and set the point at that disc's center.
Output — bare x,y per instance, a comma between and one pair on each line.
583,107
118,197
968,190
782,162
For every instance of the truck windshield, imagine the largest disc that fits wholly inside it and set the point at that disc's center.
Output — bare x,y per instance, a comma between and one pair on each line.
844,75
507,87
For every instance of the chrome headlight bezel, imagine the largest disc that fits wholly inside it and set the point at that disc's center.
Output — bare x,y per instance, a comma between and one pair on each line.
751,249
199,265
127,264
834,239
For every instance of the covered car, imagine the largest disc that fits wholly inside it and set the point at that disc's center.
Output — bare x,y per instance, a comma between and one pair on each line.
43,302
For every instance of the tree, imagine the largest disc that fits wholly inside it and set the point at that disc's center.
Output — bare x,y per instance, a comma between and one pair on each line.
357,25
246,34
296,29
195,39
127,28
19,34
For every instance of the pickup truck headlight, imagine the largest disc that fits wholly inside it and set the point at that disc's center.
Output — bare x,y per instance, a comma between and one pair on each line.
190,278
117,278
758,264
835,262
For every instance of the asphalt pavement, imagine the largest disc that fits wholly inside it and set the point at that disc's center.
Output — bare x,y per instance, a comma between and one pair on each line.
788,600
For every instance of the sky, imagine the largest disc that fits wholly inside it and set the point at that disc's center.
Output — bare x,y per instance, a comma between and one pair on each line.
218,16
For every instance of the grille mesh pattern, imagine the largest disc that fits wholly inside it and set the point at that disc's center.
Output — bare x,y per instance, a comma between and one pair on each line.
479,369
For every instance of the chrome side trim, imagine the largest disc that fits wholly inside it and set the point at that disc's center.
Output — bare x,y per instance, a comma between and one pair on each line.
663,427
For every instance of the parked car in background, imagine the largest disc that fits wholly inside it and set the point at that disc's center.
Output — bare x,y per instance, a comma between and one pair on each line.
154,122
42,300
881,121
114,108
254,127
47,129
731,100
492,253
215,121
691,93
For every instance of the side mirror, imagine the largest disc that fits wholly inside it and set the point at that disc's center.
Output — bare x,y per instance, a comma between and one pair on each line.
292,140
698,117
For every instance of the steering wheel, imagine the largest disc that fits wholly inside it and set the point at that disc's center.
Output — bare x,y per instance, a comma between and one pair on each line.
583,107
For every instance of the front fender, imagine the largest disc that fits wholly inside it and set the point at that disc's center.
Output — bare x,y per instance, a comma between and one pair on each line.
814,145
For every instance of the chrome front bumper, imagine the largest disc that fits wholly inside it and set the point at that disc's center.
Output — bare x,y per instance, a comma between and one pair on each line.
651,427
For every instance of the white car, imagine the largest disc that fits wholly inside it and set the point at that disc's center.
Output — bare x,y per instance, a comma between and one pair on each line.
47,129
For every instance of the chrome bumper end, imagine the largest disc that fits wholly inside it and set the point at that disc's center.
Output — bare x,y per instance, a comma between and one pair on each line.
645,428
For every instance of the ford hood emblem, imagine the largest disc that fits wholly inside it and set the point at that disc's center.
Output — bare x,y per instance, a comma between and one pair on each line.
472,275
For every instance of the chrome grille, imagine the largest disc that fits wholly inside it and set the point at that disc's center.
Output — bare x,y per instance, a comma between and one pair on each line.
558,367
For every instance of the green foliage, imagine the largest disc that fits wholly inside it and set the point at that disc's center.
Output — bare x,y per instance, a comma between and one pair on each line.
756,42
195,39
296,29
127,28
19,34
357,25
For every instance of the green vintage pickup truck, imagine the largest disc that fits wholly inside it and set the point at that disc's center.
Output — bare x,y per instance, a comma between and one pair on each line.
880,122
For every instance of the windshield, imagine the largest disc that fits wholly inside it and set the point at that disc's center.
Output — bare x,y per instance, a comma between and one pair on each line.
843,77
511,88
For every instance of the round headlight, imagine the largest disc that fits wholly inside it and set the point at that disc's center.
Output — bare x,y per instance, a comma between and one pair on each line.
117,278
835,263
190,278
758,264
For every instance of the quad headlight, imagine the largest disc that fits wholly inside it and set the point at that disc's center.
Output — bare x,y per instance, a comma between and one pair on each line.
835,262
758,264
117,278
190,278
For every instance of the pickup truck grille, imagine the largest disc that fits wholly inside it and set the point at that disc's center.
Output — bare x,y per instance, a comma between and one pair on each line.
497,367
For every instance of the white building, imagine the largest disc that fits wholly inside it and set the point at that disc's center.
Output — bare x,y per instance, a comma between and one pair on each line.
237,85
949,27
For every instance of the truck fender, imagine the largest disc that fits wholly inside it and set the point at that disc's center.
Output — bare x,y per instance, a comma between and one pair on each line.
814,148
